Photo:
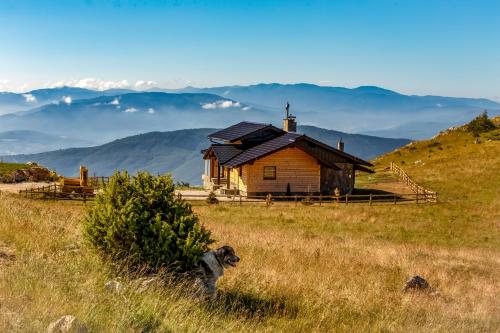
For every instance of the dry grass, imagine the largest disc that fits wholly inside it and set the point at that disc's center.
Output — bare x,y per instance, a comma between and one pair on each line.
329,268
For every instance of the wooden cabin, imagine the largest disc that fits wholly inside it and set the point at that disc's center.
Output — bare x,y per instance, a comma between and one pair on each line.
255,159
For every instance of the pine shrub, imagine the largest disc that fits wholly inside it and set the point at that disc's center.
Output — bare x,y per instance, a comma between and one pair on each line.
212,198
480,124
141,221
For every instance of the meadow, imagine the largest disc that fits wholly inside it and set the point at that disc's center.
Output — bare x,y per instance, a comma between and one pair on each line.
304,268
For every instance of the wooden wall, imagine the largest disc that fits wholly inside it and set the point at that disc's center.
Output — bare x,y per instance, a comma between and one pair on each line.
342,179
239,179
293,166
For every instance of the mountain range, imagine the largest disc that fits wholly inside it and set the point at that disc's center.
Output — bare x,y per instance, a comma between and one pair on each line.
179,152
26,142
103,116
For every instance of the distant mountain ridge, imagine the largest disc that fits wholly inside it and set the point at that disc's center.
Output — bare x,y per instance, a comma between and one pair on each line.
106,118
179,152
28,142
111,114
13,102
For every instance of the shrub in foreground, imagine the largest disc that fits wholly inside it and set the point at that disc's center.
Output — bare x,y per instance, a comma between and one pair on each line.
140,220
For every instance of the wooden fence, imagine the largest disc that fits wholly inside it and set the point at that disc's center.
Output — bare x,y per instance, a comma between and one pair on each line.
54,192
370,199
421,192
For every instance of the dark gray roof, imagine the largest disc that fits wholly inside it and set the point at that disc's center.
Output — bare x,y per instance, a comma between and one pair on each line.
237,131
226,152
263,149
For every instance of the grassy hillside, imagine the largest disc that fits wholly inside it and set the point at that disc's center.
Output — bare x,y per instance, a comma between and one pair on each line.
178,152
328,268
7,168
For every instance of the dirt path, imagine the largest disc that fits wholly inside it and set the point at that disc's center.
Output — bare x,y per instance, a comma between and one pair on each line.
383,181
15,188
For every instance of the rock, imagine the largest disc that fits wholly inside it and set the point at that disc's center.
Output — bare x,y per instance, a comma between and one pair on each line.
7,256
37,174
416,283
145,283
68,324
31,163
18,176
113,285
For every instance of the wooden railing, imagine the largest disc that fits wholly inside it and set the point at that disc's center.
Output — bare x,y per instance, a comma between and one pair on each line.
391,198
421,192
54,192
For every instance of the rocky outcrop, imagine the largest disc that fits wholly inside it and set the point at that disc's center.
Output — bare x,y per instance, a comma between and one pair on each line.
33,173
67,324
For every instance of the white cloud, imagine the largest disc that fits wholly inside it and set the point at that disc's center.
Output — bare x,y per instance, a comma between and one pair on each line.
98,84
141,84
221,105
3,85
151,111
246,108
29,98
116,101
131,110
209,106
67,99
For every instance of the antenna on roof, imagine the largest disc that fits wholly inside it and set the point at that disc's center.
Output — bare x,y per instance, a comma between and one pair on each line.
289,124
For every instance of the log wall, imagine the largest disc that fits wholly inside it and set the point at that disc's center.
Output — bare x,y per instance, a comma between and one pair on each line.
293,166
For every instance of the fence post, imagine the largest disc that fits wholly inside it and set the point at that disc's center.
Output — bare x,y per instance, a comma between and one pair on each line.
370,199
346,199
295,199
417,195
320,197
240,199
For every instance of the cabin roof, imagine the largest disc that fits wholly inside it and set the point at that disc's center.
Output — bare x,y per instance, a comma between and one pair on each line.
283,141
263,149
238,131
224,152
234,155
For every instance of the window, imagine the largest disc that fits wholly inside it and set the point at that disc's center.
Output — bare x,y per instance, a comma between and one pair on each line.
269,172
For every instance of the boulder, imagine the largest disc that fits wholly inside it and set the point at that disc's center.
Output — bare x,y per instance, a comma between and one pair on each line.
416,283
18,176
68,324
38,174
145,283
113,285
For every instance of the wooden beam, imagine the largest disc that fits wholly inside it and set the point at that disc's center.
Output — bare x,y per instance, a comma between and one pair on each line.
218,173
228,171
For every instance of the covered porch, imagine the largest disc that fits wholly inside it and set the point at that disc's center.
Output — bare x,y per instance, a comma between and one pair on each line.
217,177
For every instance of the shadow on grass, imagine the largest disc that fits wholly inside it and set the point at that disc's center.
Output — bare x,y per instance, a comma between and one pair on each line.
251,306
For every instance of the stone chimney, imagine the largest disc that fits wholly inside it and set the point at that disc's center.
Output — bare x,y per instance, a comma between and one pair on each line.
340,145
289,123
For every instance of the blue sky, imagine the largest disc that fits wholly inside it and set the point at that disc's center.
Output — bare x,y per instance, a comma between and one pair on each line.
417,47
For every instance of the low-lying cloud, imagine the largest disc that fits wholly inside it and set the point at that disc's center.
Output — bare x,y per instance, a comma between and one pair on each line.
100,85
67,99
131,110
29,98
221,105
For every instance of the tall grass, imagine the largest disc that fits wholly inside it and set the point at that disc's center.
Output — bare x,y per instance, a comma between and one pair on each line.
328,268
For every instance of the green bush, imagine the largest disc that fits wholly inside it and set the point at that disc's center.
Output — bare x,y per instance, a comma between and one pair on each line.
141,221
480,124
